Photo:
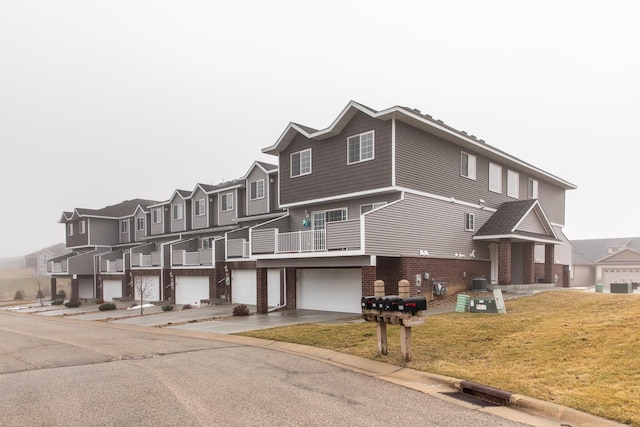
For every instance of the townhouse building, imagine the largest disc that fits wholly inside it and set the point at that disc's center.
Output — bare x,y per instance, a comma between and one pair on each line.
392,194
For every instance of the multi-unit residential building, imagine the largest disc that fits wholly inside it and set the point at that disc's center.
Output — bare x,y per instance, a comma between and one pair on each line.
606,261
389,195
37,261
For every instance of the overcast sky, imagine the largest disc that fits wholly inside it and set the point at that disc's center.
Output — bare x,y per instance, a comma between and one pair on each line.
105,101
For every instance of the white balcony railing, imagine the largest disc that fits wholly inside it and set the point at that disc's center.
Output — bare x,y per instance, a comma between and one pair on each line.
301,241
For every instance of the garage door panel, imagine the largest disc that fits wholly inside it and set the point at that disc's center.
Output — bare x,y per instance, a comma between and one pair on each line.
85,289
111,289
151,284
329,289
244,287
190,290
273,287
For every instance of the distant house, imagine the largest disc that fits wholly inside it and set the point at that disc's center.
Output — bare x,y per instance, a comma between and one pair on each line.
605,261
36,262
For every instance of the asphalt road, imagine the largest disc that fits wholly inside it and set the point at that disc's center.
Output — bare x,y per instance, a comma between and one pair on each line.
65,372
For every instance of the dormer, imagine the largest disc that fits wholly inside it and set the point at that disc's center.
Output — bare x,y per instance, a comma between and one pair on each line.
180,211
202,207
261,189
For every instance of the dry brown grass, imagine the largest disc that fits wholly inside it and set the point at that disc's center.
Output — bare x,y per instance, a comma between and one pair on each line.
574,348
12,280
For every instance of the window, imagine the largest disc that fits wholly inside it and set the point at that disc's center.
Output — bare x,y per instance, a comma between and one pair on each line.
301,163
70,229
495,178
468,165
532,189
157,215
256,189
205,244
360,148
513,184
371,206
140,223
177,212
83,227
321,218
124,226
226,202
199,208
469,222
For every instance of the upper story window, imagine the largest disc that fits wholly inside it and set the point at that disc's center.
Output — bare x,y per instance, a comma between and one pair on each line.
532,189
124,226
70,229
468,165
82,227
177,211
256,189
371,206
469,222
360,147
301,163
140,223
513,184
321,218
199,207
206,244
226,202
495,178
157,215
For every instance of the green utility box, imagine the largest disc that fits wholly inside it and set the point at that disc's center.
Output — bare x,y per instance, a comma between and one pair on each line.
600,288
621,288
483,305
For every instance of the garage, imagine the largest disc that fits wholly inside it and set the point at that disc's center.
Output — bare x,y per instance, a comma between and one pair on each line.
619,275
85,289
273,287
111,289
331,289
190,290
243,287
149,285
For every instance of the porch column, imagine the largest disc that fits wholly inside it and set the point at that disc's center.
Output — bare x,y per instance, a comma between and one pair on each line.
262,303
75,288
54,288
504,262
528,275
549,257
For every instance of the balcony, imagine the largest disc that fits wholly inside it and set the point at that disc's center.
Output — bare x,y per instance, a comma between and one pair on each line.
145,260
301,241
237,248
112,266
58,267
201,257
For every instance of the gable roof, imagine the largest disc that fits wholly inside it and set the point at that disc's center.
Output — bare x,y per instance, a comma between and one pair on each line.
415,118
119,210
625,255
518,220
266,167
591,251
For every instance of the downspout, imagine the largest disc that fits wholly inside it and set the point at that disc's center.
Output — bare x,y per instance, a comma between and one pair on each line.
278,307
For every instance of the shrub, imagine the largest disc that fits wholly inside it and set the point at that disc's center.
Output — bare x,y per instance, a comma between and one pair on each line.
57,302
167,307
71,304
186,307
18,296
61,295
107,306
241,310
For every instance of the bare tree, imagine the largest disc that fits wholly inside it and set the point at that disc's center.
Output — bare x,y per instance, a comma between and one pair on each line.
40,294
143,287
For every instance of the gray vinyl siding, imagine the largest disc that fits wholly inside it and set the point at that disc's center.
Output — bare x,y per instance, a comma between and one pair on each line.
139,235
162,226
77,239
125,237
420,223
430,164
263,241
258,206
330,174
531,224
343,235
220,249
178,224
200,221
103,231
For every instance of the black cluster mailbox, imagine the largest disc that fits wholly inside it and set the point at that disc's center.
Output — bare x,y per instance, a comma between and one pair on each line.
391,308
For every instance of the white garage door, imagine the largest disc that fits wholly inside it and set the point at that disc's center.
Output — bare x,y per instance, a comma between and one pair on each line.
338,289
273,287
111,289
150,285
243,287
619,275
85,289
190,290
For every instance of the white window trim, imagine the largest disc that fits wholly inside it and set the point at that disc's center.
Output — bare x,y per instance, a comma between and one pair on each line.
300,154
495,180
532,188
177,212
157,219
469,222
513,184
372,205
471,165
373,147
70,229
124,226
200,203
259,194
83,227
226,197
140,221
324,212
